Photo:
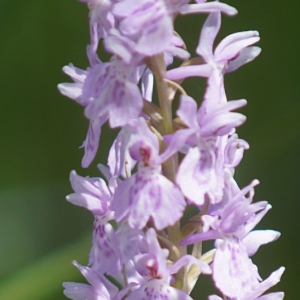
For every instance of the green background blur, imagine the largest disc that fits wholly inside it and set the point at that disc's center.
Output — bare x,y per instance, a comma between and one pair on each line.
40,132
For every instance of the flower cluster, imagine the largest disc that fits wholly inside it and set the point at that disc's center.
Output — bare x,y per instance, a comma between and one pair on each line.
159,164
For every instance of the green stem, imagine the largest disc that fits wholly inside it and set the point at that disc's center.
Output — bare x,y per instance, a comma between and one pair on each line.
169,167
159,70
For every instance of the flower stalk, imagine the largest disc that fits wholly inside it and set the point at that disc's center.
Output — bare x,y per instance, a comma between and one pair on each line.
146,185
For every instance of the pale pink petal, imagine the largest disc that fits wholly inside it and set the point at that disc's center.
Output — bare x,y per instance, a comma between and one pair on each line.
158,289
168,203
149,196
98,281
213,6
234,151
214,297
187,111
148,23
256,238
233,50
189,259
71,90
238,38
204,70
246,55
177,141
119,153
105,255
87,201
272,280
271,296
221,121
233,271
80,291
119,45
78,75
91,142
197,175
147,85
208,34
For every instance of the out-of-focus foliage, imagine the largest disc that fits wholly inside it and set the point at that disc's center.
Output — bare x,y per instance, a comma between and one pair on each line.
41,131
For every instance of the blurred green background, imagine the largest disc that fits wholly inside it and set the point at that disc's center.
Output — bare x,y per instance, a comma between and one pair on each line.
40,233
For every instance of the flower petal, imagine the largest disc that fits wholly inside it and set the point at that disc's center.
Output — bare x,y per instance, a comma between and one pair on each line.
145,196
256,238
233,271
208,34
208,7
